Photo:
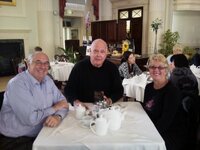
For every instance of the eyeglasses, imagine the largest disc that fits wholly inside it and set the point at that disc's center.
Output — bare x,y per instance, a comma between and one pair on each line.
159,67
39,63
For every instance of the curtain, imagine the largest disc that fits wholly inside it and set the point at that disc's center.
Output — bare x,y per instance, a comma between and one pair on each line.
62,7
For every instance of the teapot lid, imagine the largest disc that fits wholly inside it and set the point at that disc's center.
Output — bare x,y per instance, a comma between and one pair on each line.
101,118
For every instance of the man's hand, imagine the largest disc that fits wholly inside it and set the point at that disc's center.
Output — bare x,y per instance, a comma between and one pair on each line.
60,105
52,121
108,100
78,102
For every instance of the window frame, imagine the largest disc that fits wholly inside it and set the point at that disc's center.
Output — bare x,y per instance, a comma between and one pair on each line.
130,10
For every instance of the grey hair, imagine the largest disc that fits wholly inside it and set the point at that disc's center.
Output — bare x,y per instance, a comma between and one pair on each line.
31,56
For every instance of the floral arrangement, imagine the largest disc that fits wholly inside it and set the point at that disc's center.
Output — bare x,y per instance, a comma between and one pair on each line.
156,24
125,45
87,23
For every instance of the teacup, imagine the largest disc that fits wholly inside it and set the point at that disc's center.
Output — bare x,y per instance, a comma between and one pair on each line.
80,111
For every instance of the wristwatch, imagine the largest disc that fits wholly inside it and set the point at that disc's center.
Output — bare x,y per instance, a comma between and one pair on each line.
59,116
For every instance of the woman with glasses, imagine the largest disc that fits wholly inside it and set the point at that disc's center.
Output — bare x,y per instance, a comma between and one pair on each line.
162,102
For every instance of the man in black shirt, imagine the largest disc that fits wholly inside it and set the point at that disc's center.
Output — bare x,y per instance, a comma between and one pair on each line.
93,74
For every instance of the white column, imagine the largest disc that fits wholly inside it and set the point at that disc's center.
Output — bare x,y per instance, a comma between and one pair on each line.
105,10
46,27
161,9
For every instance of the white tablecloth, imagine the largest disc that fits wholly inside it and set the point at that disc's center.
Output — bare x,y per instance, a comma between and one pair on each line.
196,71
134,87
136,133
61,71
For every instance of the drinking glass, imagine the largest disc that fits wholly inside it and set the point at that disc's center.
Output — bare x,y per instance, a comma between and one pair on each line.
99,99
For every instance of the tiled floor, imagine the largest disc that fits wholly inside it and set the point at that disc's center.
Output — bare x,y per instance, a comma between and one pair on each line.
3,82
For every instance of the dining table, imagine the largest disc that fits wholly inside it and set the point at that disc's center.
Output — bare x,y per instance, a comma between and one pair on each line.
137,132
134,87
60,71
196,72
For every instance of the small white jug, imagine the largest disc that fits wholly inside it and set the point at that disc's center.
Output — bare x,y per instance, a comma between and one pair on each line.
80,111
101,126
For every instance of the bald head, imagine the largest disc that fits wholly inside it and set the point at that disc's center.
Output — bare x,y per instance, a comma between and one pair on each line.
99,42
98,52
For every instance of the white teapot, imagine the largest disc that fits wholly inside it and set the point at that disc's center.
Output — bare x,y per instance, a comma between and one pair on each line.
101,126
80,111
115,116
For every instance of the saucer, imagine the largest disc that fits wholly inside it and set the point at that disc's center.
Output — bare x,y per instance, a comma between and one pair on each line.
85,121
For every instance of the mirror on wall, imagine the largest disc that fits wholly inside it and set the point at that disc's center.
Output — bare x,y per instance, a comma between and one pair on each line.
71,27
71,33
74,34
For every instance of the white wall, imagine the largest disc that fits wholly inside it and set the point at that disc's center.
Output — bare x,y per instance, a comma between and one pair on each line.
20,21
187,23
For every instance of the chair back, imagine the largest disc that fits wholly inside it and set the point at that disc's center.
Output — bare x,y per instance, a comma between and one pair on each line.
190,105
1,98
61,58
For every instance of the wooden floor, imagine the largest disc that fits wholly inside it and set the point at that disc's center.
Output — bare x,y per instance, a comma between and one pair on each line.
3,82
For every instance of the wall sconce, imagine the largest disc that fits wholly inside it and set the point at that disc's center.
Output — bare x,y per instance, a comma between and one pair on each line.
69,11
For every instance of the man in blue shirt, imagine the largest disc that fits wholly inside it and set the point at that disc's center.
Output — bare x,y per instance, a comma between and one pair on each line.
31,100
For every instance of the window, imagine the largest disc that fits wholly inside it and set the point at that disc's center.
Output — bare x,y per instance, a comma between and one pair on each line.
124,15
137,13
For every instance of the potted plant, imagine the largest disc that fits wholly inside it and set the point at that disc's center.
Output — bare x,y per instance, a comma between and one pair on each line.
189,52
169,39
69,53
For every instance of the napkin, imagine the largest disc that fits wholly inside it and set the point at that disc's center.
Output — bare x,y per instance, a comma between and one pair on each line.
195,70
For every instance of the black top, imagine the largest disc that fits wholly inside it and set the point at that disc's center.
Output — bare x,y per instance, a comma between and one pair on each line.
164,107
196,59
85,79
185,80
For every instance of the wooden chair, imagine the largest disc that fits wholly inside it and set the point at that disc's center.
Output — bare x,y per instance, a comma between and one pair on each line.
15,62
61,58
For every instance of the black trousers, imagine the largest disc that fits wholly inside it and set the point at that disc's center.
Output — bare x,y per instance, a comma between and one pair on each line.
19,143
